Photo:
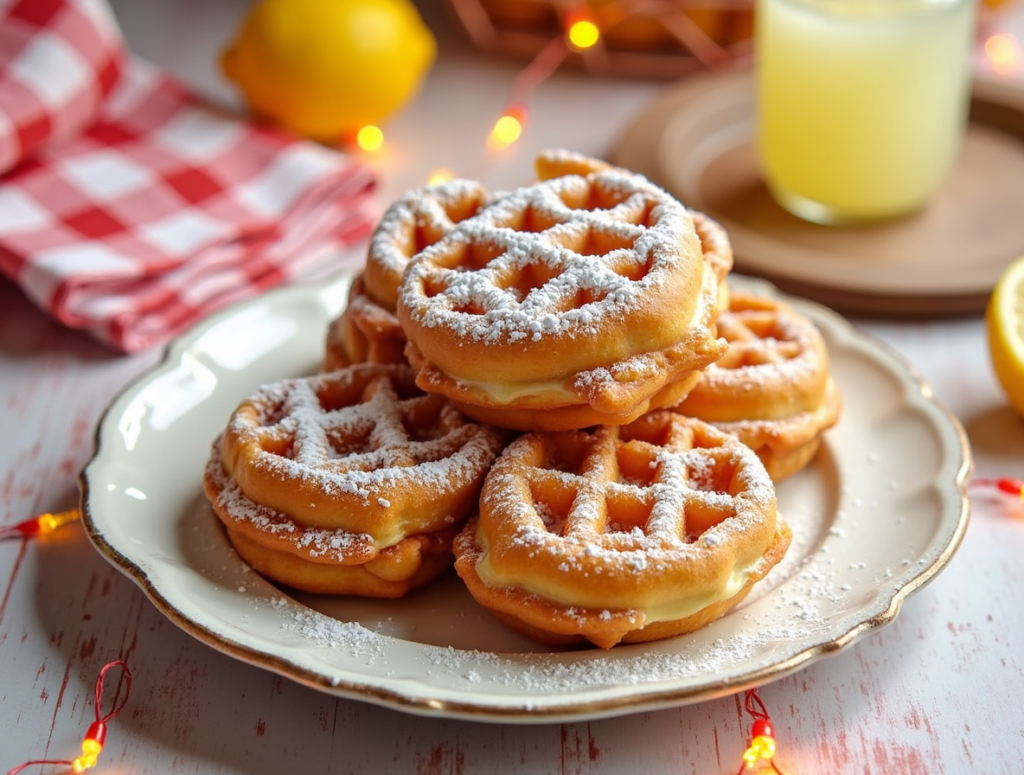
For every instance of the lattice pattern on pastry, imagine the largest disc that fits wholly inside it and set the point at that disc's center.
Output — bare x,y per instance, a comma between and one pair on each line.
629,504
367,424
346,448
758,335
629,492
631,533
416,221
547,309
772,388
547,252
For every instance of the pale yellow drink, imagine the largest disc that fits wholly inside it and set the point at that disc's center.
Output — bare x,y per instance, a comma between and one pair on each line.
861,103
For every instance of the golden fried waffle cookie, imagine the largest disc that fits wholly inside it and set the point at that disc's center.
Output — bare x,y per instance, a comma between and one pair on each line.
621,533
772,388
368,330
717,251
579,300
714,240
365,331
352,481
555,163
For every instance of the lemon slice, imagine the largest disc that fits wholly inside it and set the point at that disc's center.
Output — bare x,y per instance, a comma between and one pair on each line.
1004,320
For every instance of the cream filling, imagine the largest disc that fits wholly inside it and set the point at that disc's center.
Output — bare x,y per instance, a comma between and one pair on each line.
505,393
668,611
681,608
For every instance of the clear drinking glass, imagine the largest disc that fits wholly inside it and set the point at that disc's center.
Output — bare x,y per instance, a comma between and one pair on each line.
861,103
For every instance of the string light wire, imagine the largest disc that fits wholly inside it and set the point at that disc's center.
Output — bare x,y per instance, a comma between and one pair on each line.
96,735
581,31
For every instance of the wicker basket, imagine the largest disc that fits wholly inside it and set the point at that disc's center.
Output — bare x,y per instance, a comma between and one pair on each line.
649,38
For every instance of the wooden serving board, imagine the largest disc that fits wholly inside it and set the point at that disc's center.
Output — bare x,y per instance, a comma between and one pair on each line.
697,140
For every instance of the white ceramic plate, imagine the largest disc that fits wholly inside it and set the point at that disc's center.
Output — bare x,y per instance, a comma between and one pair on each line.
879,512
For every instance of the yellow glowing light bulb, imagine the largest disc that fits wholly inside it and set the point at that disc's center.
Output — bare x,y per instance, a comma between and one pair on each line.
92,744
370,138
508,128
39,525
582,33
440,176
1003,52
90,753
49,522
761,748
762,742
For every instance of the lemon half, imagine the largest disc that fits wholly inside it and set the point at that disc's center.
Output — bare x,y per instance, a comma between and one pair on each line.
1004,320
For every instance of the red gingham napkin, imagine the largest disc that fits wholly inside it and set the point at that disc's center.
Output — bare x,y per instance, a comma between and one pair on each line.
164,209
58,60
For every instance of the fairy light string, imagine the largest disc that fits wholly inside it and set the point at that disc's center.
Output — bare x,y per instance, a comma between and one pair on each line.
96,735
1005,484
582,33
510,125
761,744
39,525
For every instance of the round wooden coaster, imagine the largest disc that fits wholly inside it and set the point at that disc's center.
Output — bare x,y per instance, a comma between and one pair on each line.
697,140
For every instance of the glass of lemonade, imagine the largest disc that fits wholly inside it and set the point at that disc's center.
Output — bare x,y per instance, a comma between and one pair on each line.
861,103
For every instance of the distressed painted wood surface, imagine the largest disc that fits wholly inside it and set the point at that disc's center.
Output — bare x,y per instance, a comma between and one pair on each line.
938,691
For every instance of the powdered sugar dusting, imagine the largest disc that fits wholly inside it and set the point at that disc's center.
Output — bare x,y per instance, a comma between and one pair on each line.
356,640
686,658
598,670
800,611
366,443
687,477
807,600
234,507
419,218
591,261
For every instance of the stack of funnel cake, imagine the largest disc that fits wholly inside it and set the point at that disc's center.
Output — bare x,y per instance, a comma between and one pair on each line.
552,387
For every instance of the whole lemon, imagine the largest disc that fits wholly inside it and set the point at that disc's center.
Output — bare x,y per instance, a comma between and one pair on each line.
325,68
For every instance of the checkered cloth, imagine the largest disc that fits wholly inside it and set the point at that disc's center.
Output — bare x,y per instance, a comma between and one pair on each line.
58,61
163,209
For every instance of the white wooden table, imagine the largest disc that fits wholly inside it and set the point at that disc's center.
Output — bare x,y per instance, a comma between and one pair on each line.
938,691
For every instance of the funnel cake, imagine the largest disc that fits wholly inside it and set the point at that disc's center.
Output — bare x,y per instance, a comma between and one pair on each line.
368,330
579,300
621,534
772,388
352,481
364,332
713,238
